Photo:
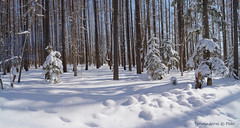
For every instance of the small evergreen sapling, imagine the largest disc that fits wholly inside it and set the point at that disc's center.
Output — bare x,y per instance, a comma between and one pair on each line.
53,66
168,54
155,68
173,80
205,67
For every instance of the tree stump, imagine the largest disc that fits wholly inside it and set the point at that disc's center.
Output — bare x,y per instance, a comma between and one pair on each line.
198,80
1,83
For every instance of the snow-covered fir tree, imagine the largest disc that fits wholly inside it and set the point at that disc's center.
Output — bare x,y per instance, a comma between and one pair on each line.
154,65
53,66
168,54
207,66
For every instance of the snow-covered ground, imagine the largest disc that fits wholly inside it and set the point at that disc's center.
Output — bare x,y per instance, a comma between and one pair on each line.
94,100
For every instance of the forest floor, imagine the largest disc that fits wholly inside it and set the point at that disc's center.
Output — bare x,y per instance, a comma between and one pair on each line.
94,100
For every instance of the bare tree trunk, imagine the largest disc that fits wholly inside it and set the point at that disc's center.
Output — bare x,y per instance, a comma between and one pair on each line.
225,55
115,22
181,33
74,38
132,38
138,38
128,37
86,36
46,34
154,18
206,34
235,19
64,54
97,56
162,27
166,16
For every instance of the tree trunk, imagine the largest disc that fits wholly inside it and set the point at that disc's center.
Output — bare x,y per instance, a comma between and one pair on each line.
132,38
235,24
225,55
154,18
97,56
86,36
206,34
138,38
181,33
46,34
128,37
115,23
162,27
64,53
74,38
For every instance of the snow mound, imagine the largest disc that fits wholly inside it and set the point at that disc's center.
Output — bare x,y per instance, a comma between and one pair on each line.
176,91
131,100
182,97
109,103
143,99
146,115
190,124
194,101
173,80
166,94
184,102
209,96
162,102
188,87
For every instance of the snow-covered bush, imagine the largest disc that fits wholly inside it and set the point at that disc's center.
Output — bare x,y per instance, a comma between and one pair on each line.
203,46
173,80
53,66
209,65
155,68
168,54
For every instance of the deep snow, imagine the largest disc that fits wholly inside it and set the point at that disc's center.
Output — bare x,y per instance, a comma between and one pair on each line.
94,100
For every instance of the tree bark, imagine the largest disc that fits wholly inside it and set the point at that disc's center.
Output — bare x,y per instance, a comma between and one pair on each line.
64,53
97,56
181,33
74,38
235,24
138,38
86,36
225,55
46,34
115,23
128,37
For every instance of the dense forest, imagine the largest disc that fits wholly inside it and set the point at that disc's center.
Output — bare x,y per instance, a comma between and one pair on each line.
116,32
119,64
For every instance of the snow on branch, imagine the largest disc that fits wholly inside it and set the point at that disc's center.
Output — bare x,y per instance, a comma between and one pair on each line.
11,59
22,33
207,44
